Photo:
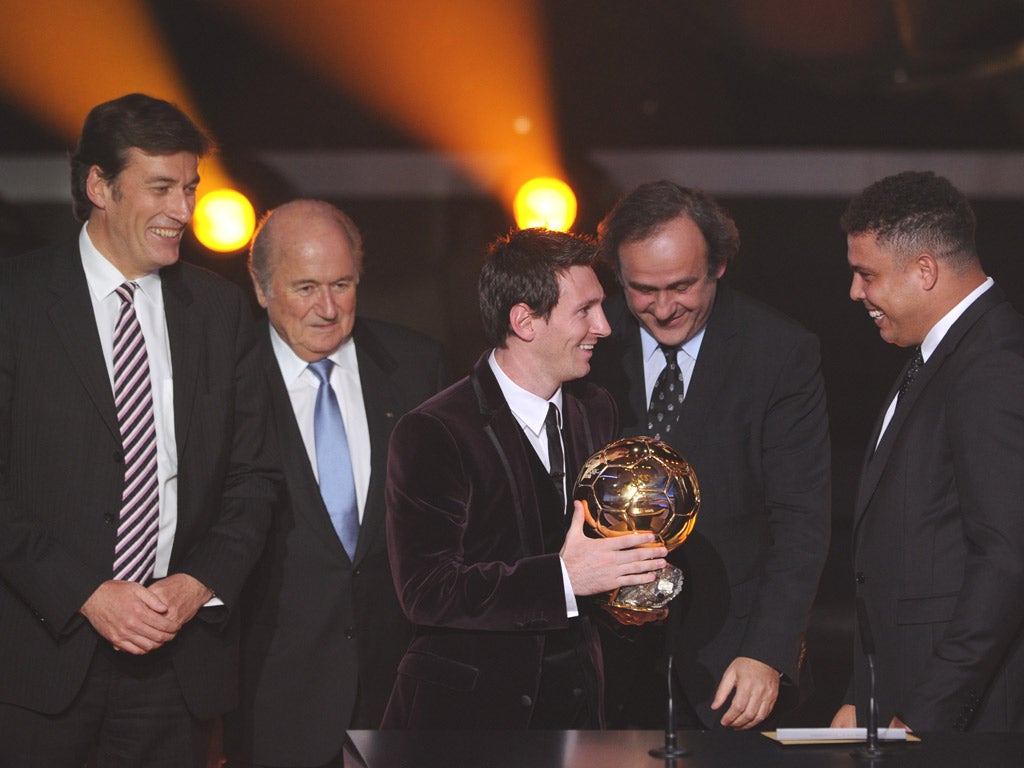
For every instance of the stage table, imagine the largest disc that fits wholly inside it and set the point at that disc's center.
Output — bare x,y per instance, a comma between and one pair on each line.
628,749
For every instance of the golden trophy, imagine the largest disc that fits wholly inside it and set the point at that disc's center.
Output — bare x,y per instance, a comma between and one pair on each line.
639,484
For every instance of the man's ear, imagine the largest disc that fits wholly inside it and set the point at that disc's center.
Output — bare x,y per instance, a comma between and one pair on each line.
97,188
261,297
926,268
521,319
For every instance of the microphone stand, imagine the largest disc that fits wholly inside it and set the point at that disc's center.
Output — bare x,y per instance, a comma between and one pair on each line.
671,749
871,749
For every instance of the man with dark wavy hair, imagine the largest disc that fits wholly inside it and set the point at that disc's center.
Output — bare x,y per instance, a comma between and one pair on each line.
939,518
135,485
737,388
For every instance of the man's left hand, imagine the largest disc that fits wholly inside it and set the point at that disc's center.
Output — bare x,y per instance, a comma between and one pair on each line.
184,595
756,687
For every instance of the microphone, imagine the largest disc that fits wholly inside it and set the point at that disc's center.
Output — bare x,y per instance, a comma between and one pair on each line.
870,749
671,748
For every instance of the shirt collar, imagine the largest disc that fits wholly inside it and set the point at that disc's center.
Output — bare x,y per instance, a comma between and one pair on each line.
651,347
530,409
292,366
102,277
941,328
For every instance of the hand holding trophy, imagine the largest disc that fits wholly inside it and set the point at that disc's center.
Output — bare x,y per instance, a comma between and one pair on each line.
639,484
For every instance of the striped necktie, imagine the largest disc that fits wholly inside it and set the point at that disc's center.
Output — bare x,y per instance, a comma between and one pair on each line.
139,521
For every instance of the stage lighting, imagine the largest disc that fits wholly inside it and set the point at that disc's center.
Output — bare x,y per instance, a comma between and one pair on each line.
224,220
545,202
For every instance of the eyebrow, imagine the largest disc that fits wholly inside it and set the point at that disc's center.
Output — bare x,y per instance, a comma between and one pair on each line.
644,287
171,180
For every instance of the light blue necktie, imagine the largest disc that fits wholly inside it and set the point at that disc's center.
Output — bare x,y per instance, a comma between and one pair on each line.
333,463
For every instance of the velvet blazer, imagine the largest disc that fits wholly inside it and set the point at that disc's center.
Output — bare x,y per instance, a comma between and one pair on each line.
464,533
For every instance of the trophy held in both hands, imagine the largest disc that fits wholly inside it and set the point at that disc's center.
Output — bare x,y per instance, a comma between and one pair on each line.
639,485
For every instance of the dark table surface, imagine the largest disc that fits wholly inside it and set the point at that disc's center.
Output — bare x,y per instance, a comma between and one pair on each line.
628,749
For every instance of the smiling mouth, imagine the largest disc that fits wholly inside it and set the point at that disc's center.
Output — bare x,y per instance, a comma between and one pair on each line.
875,314
166,232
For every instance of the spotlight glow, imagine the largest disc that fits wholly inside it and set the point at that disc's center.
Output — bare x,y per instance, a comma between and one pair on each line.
545,202
224,220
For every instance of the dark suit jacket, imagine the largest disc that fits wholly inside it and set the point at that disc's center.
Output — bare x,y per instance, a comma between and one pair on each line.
464,532
755,429
939,534
316,623
62,473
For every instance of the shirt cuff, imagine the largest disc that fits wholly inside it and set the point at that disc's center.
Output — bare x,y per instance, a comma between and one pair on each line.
571,609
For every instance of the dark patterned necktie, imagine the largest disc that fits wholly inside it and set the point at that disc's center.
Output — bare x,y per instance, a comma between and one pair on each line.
139,522
908,378
556,459
667,396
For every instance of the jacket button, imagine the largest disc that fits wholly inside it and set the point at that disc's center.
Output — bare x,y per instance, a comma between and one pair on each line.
859,577
349,633
356,572
526,701
109,518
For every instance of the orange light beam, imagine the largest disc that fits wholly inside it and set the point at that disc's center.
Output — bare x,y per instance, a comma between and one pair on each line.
58,60
466,76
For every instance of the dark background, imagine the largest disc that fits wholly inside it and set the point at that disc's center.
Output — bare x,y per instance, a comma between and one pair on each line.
892,76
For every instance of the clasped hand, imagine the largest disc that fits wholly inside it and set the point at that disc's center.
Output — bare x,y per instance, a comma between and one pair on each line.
139,619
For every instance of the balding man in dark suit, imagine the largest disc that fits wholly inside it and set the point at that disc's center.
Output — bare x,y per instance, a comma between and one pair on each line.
323,631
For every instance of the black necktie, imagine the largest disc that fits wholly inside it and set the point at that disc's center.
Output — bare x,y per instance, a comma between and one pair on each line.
667,396
556,460
908,378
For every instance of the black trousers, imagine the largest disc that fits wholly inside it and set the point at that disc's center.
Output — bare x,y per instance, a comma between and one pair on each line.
129,714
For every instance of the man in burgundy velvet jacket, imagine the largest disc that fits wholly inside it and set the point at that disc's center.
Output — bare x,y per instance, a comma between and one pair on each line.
487,560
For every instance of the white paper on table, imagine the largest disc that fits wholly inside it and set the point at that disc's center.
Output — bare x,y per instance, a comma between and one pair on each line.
835,735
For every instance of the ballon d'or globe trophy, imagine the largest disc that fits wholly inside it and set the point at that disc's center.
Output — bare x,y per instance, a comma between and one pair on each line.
640,485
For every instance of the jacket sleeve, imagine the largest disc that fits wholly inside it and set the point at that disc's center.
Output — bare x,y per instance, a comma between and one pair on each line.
985,416
796,462
452,537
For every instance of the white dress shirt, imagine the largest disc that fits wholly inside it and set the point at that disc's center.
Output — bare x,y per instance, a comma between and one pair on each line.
530,412
103,278
654,360
303,384
936,335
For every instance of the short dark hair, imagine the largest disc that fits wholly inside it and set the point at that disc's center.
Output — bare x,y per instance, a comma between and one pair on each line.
913,212
524,267
261,247
155,126
641,212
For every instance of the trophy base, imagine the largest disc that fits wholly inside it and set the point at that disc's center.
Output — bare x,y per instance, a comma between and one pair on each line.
646,603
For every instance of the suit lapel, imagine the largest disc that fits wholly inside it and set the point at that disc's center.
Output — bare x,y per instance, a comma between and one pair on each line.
622,367
711,373
185,335
576,432
301,481
502,431
376,367
75,322
876,460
